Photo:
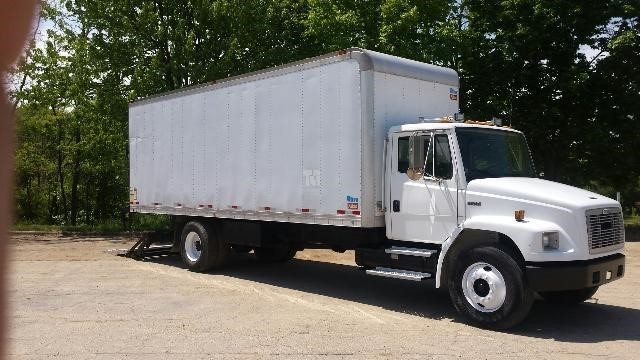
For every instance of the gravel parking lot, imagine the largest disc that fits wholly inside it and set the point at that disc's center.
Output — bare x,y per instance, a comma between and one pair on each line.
72,299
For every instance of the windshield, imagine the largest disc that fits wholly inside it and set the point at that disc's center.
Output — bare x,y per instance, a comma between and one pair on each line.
489,153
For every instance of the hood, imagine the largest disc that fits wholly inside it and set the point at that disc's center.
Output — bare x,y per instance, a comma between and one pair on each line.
540,191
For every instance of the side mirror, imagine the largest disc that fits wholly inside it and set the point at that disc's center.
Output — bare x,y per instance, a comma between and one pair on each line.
430,161
419,146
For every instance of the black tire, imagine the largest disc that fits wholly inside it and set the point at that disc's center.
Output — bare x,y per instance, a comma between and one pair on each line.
568,297
213,252
275,254
518,298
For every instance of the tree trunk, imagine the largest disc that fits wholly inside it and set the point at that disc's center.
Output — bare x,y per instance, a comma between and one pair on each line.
60,165
75,179
164,46
87,213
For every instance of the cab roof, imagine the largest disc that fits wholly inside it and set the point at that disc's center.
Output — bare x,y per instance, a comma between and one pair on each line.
443,125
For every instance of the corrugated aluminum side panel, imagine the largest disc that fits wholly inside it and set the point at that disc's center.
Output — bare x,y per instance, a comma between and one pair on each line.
287,142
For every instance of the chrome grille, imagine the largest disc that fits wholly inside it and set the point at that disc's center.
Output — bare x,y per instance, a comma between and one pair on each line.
605,228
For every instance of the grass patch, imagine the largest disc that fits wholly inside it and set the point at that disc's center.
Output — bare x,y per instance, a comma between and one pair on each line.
633,221
135,223
35,227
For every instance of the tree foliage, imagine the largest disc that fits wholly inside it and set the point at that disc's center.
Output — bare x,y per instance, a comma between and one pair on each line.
522,60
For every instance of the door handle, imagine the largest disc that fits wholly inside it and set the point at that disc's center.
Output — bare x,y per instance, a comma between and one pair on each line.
396,205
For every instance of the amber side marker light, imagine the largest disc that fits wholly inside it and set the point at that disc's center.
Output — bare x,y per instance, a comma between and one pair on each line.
519,214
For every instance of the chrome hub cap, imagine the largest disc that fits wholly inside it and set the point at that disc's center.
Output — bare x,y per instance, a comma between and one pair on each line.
484,287
193,246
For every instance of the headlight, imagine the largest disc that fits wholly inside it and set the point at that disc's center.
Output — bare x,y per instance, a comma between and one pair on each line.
550,240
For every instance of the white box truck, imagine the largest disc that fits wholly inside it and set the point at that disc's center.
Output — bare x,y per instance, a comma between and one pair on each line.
358,150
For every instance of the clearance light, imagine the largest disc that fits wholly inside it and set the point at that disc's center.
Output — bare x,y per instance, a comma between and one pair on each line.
519,215
550,240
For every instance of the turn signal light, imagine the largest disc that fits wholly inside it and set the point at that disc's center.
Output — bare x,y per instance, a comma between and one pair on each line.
550,240
519,215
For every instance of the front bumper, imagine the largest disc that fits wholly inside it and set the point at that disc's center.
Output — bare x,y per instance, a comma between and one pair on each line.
573,275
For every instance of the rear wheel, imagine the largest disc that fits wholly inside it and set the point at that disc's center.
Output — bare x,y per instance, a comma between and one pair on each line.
568,297
201,248
275,254
488,287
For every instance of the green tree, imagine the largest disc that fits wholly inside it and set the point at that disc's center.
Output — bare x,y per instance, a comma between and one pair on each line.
525,65
610,148
521,60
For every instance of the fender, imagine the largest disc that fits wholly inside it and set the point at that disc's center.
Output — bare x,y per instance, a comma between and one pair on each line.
443,252
526,235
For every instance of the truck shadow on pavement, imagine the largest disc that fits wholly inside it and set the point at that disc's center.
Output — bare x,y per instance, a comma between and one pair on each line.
585,323
346,282
588,322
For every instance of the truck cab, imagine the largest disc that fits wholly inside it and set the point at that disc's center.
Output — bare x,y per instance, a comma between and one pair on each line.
464,207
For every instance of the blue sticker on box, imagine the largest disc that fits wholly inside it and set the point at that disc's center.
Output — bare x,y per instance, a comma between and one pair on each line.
352,203
453,94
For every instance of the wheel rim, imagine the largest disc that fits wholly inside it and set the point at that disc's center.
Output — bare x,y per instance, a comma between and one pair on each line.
484,287
193,246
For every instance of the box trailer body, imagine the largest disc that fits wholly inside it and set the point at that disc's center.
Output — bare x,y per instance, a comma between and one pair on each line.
301,143
358,150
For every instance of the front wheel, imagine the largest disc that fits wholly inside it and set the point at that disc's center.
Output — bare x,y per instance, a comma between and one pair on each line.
488,287
568,297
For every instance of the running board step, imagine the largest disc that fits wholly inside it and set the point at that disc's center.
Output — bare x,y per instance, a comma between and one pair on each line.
399,274
397,250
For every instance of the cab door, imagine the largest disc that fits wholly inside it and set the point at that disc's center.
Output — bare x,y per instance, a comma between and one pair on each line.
423,190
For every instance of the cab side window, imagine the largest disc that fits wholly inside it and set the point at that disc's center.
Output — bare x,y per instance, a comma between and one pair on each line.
403,154
443,165
443,168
